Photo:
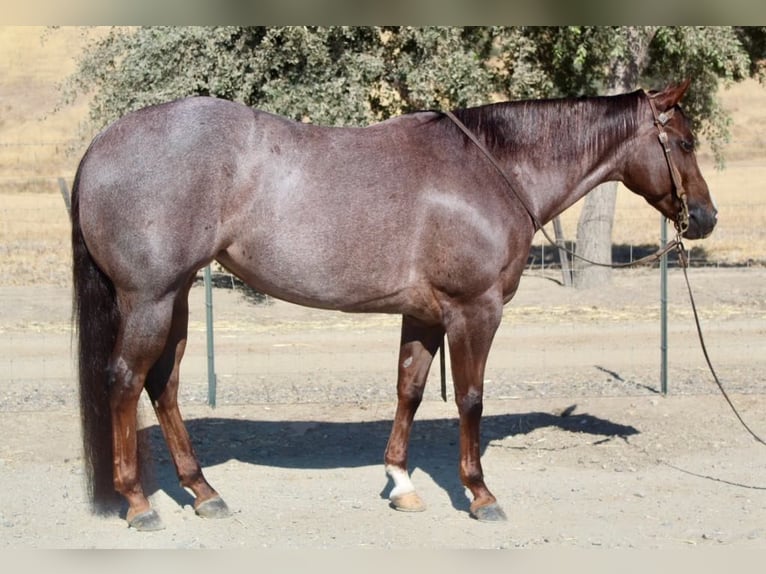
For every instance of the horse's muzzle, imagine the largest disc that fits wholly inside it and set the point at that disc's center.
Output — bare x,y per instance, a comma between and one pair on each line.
701,222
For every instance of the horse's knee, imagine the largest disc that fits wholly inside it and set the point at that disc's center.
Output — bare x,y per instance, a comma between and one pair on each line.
470,403
410,395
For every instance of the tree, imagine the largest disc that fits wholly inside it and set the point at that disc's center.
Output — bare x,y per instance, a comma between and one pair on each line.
337,75
753,40
355,75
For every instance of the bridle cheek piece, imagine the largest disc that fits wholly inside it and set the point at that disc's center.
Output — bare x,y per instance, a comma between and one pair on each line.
660,119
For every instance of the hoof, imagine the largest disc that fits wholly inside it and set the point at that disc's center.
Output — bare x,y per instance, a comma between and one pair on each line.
213,508
489,513
408,502
147,521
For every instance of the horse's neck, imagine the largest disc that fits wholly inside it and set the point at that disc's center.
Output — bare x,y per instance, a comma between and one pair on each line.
552,182
569,187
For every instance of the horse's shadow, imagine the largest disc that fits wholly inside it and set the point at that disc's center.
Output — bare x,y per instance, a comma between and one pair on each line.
324,445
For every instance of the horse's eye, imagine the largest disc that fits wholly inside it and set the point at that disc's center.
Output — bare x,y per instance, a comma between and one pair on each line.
687,146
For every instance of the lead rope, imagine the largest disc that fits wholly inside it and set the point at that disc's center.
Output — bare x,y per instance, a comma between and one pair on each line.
684,264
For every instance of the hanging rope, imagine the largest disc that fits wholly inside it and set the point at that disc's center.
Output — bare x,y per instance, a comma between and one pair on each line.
683,260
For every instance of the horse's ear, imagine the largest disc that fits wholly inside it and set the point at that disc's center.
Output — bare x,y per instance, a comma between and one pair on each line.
671,95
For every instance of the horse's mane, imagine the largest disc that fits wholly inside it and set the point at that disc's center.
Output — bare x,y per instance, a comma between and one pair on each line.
565,128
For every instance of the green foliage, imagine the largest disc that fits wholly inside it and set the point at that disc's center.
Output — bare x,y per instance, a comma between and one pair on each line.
576,60
352,75
709,56
599,59
331,75
753,40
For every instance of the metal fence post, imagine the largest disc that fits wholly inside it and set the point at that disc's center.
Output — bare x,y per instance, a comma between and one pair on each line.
65,194
663,307
211,377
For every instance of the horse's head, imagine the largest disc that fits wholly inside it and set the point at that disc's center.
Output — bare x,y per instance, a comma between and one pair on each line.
663,167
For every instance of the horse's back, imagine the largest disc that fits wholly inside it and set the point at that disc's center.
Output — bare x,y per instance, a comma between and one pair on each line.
200,149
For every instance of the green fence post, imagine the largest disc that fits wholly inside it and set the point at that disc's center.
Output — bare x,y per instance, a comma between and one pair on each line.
211,378
663,307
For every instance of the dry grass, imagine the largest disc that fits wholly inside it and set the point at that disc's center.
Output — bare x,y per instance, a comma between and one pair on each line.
38,146
739,238
34,239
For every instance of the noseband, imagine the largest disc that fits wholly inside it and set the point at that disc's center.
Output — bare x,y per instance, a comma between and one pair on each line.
682,219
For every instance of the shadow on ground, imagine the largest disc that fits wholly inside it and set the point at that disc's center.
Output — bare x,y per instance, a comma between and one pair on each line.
326,445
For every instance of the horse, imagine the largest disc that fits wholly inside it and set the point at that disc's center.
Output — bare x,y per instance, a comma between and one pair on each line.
405,216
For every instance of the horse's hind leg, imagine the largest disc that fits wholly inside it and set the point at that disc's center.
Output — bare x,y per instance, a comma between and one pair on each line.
141,338
162,386
419,344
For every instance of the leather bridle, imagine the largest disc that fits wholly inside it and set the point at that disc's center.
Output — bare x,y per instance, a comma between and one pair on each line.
660,119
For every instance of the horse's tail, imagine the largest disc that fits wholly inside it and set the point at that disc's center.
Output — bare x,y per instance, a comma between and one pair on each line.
96,319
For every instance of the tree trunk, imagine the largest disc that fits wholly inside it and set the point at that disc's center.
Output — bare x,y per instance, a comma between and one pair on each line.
594,228
594,237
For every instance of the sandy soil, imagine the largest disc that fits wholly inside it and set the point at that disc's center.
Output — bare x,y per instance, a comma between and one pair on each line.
579,444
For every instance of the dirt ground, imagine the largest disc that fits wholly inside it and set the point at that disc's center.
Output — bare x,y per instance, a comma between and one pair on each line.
579,445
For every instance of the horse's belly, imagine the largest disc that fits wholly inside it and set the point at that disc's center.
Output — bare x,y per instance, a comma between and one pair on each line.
313,278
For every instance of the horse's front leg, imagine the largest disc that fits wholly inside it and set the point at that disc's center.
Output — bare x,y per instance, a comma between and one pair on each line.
419,344
470,333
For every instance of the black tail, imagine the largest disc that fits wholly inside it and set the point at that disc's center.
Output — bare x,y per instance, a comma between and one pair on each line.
96,319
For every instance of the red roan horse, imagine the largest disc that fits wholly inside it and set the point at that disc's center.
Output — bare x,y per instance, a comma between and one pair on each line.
406,216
